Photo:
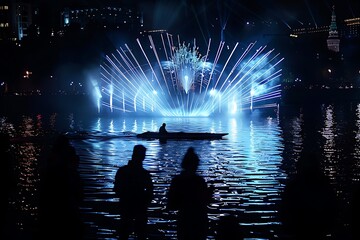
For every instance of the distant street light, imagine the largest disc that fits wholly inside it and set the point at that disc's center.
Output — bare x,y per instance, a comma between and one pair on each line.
27,74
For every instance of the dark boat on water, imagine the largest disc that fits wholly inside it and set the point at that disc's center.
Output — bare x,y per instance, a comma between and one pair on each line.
78,135
182,135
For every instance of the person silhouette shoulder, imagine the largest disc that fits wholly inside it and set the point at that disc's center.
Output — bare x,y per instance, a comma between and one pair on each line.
190,195
309,205
134,188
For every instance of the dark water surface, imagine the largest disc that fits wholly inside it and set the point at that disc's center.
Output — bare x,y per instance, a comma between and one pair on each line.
248,168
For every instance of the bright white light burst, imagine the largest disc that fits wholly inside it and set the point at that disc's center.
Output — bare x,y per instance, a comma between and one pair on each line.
175,79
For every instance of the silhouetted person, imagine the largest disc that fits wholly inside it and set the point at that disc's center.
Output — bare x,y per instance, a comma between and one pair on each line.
134,187
162,129
190,195
228,228
61,193
309,205
7,180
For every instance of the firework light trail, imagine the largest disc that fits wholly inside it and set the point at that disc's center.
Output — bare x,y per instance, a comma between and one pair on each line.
173,78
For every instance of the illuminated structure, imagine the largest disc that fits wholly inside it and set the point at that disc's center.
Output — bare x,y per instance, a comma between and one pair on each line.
333,40
109,17
15,20
5,17
172,78
352,29
347,29
310,30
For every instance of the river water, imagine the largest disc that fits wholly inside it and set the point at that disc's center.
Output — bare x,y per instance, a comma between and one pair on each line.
248,168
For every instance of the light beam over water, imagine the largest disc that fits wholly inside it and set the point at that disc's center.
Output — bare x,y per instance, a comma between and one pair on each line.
171,78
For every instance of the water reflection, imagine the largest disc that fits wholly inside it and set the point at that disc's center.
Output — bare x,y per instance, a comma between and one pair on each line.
356,150
247,168
24,204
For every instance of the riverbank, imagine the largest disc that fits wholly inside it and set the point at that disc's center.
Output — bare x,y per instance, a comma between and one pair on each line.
13,104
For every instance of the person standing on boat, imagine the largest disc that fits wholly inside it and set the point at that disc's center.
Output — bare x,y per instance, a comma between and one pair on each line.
134,188
162,129
190,195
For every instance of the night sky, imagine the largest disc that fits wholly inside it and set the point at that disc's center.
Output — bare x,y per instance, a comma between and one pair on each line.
204,18
166,13
284,10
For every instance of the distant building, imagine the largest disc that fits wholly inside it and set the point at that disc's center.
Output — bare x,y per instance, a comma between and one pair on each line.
110,17
7,20
327,56
24,18
16,17
20,19
311,30
352,28
333,41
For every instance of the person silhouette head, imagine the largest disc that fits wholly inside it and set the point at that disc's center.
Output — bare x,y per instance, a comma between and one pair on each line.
190,161
138,154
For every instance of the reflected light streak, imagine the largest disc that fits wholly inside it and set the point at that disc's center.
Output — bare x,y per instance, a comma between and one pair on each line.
357,144
329,134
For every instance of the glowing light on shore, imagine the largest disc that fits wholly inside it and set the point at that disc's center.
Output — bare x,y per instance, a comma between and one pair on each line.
175,79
